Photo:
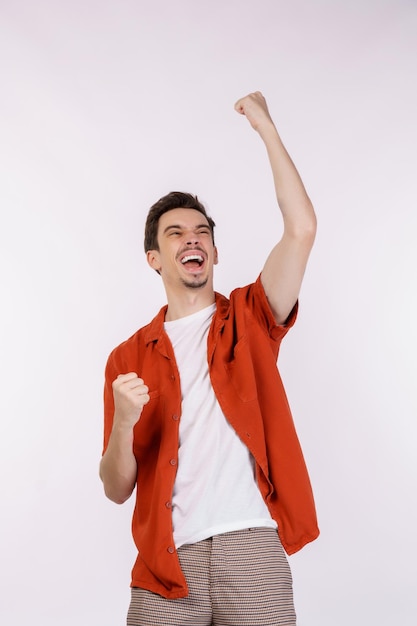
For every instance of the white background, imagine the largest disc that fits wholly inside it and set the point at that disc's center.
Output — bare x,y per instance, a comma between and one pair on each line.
106,106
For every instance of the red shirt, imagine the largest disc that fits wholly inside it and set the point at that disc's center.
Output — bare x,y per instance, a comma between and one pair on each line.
242,351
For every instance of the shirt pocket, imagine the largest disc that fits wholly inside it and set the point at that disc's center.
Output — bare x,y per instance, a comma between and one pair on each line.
241,373
147,431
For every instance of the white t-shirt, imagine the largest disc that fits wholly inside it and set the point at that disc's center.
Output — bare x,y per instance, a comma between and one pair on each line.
215,489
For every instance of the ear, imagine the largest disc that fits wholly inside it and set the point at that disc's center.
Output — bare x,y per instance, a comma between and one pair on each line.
152,256
216,256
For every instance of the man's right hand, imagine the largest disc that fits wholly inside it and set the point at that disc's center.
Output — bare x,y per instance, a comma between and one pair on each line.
130,396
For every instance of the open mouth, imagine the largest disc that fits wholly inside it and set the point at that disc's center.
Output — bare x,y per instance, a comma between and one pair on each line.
192,258
192,261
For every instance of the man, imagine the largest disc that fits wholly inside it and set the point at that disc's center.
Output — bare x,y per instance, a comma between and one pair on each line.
196,418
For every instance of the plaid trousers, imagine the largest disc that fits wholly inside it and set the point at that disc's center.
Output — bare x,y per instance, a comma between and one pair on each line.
240,578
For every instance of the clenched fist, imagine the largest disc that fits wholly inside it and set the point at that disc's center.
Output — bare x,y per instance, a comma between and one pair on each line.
130,396
254,107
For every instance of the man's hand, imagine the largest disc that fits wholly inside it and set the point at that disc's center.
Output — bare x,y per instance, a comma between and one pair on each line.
130,396
255,109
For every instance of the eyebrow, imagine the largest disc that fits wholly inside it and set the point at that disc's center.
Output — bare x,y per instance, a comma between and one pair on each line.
179,227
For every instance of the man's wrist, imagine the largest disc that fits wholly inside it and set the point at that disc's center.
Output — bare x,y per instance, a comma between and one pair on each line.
122,429
267,130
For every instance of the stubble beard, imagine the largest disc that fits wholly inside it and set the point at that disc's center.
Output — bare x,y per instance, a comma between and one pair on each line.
195,285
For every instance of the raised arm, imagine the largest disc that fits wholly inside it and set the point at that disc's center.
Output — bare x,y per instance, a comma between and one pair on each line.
284,269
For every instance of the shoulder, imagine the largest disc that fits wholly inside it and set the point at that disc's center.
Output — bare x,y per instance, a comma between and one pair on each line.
132,345
251,300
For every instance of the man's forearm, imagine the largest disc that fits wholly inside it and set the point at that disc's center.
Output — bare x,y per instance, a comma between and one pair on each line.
296,207
118,467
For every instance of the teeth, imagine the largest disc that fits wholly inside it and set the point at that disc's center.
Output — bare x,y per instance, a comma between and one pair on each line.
192,257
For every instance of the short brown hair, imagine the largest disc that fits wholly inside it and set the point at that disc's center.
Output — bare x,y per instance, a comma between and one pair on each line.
173,200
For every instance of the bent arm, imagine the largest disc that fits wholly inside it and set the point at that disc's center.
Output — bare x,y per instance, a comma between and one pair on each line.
118,467
284,269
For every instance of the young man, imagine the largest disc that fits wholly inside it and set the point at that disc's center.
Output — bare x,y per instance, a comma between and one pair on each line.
196,418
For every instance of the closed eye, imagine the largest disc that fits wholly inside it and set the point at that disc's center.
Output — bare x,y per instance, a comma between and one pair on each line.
177,231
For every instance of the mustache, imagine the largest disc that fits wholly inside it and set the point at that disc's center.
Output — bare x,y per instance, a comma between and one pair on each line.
187,248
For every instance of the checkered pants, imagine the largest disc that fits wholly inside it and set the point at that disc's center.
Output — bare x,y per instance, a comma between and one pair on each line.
240,578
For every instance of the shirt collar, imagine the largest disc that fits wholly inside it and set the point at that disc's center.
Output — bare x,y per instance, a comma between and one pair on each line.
156,327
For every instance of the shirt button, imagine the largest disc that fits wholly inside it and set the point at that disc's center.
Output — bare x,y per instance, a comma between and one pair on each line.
172,377
175,417
168,505
173,461
171,550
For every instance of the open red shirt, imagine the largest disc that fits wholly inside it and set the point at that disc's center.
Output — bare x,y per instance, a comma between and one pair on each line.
242,351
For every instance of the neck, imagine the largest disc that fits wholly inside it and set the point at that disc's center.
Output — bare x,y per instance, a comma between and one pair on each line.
187,303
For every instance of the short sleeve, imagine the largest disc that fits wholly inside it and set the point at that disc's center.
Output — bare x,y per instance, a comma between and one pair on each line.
258,302
110,375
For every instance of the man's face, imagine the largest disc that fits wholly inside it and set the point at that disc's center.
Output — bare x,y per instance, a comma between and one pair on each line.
186,252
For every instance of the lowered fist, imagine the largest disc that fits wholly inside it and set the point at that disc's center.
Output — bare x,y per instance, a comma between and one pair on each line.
130,396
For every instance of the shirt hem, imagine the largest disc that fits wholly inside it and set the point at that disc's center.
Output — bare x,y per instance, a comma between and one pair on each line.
220,529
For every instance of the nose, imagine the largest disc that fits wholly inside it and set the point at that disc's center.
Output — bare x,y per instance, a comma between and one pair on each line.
192,239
